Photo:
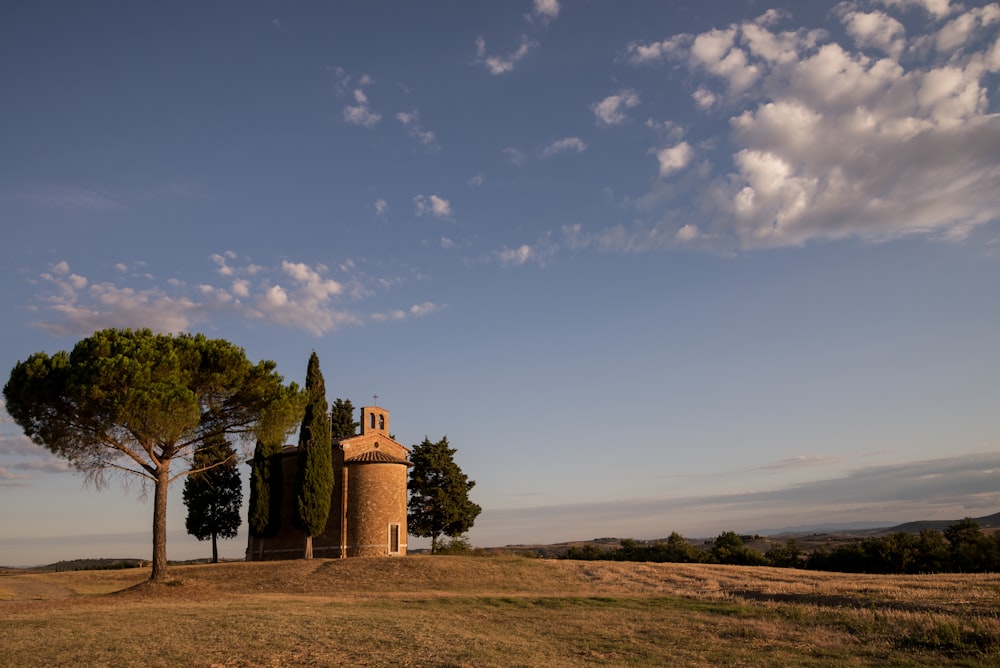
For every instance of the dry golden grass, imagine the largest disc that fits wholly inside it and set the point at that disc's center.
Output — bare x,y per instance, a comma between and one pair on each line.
496,611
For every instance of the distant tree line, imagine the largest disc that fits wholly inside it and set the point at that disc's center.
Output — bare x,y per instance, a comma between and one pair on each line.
961,548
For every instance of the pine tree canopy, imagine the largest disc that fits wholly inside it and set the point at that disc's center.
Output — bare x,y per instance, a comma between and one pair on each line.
132,402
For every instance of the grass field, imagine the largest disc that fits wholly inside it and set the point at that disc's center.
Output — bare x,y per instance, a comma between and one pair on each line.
495,611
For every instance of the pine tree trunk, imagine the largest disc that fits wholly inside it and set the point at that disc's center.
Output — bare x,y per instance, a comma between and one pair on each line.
309,547
160,522
215,549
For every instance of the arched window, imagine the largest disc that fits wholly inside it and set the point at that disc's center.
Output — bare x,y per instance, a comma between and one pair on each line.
381,422
373,420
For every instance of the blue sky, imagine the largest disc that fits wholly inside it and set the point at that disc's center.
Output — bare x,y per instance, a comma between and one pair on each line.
649,266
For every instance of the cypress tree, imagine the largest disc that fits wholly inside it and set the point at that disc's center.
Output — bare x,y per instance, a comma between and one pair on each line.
213,493
314,474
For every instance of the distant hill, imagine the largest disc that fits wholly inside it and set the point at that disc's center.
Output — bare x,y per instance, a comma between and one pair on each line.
987,522
93,565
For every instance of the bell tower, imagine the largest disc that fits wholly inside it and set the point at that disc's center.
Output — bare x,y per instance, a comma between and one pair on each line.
374,420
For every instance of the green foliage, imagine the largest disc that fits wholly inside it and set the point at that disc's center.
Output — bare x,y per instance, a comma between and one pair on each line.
342,424
132,402
675,549
788,555
439,493
266,481
456,545
971,550
213,493
314,474
728,548
962,548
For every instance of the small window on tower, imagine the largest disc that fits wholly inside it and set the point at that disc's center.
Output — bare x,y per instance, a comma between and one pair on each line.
381,422
373,420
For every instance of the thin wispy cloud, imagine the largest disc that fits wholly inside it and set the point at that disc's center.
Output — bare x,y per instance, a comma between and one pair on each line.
502,64
565,145
291,294
948,488
411,121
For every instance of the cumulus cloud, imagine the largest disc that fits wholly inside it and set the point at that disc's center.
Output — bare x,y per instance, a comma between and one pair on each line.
292,294
432,205
611,110
885,134
674,158
502,64
567,144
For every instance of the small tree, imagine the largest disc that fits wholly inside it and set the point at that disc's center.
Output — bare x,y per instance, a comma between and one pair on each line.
439,494
314,475
134,402
342,420
213,495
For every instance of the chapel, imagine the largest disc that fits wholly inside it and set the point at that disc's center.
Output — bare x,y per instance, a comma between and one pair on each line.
368,504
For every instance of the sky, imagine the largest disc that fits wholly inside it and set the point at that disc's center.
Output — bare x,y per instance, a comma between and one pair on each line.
649,266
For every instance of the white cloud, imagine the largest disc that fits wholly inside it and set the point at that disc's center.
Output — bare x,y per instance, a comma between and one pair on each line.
359,113
567,144
886,135
965,27
476,181
411,120
415,311
674,158
293,294
502,64
610,110
875,30
515,256
704,98
381,208
538,253
432,205
936,8
546,10
688,233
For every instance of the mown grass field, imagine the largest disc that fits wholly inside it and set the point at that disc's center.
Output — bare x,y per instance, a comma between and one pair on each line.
496,611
